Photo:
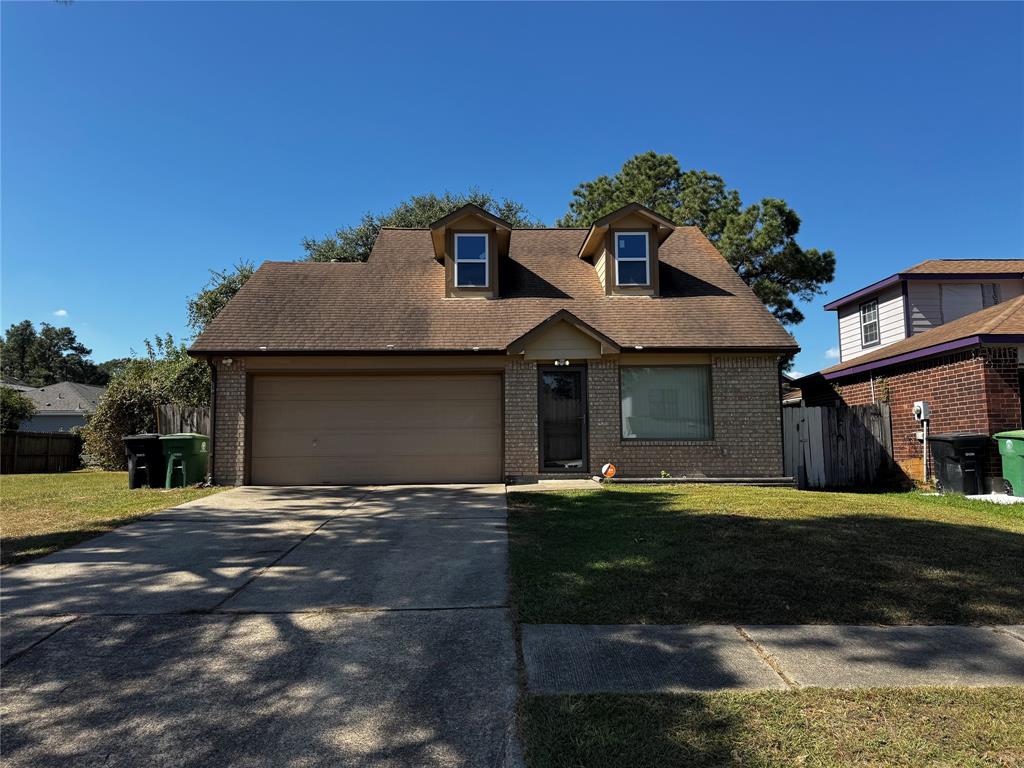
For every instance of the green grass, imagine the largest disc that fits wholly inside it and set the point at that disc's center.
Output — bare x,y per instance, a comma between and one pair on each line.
707,554
40,514
813,728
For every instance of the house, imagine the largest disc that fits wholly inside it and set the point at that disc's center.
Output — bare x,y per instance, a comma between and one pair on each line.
473,352
945,331
61,407
923,297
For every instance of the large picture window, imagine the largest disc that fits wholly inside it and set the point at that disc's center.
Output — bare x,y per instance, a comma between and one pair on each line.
470,260
869,333
631,264
666,402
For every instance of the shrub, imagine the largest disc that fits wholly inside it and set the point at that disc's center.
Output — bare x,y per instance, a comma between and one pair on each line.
165,375
14,409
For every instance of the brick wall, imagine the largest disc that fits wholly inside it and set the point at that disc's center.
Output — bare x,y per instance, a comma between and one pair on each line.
229,430
747,439
970,391
521,418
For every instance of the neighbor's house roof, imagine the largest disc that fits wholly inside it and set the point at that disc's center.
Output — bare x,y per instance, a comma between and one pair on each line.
1000,324
12,383
396,301
65,398
936,269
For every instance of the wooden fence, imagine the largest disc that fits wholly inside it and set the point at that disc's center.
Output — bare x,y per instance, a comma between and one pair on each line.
837,446
24,452
176,418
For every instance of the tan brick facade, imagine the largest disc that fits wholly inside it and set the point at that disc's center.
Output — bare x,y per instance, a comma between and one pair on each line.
747,440
521,446
229,429
975,390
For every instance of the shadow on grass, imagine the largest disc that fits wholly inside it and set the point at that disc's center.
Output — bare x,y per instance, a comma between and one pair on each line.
640,559
21,549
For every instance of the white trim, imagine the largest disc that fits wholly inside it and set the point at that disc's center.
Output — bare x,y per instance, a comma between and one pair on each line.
486,262
646,259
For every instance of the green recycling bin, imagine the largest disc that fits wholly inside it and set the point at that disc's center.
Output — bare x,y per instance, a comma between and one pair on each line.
186,456
1011,450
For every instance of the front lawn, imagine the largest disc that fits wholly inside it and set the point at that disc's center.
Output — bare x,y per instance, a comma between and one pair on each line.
949,727
714,554
43,513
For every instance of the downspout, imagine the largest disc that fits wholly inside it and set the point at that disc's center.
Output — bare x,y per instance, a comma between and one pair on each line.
871,378
213,416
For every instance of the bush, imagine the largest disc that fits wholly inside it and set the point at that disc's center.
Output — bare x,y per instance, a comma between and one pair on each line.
14,409
166,375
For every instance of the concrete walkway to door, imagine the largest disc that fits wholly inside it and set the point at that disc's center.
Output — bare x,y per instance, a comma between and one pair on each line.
270,627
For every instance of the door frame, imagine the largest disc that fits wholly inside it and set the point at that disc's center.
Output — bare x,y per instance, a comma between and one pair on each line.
581,368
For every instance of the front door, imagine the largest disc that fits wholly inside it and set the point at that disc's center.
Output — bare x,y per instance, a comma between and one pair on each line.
563,419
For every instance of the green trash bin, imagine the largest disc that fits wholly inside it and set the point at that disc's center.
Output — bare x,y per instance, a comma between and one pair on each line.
1011,450
186,456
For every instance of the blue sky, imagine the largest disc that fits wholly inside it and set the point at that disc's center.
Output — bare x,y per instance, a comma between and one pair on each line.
145,143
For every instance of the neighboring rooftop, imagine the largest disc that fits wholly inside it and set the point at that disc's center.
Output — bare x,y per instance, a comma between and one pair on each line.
1002,323
12,383
396,301
932,269
65,398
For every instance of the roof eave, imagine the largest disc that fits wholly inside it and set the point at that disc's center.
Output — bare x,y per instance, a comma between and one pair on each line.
929,351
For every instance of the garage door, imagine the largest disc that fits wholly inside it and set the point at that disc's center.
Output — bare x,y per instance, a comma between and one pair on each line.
376,429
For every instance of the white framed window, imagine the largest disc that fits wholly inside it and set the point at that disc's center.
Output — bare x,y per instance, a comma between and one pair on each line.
667,402
869,333
632,267
471,260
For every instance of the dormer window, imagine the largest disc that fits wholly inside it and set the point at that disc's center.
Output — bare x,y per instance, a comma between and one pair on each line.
471,266
631,263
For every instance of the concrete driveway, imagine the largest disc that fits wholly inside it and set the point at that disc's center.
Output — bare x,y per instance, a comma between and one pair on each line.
270,627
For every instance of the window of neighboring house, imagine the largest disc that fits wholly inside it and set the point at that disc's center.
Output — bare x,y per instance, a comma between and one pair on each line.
631,263
470,260
869,333
665,402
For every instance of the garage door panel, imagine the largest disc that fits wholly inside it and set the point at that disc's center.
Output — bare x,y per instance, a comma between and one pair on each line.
352,444
429,428
411,389
341,417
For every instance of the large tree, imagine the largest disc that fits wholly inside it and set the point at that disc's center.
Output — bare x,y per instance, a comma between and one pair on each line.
758,240
218,291
48,356
355,243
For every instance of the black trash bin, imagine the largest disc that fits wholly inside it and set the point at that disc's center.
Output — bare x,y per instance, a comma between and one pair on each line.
145,460
959,460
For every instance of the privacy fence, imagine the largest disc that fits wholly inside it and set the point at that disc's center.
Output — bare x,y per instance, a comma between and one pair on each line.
838,446
176,418
24,452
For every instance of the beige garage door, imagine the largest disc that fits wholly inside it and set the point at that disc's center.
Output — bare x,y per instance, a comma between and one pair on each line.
376,429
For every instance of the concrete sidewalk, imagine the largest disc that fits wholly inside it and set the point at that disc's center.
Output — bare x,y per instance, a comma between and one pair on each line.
568,658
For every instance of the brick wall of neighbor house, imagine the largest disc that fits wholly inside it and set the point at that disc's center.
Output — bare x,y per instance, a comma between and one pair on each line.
747,439
521,448
971,391
229,430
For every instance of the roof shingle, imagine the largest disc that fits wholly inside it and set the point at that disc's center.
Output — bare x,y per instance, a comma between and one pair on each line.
1006,319
396,301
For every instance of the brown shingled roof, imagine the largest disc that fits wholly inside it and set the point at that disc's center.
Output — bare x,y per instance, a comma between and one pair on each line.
396,301
968,266
1006,319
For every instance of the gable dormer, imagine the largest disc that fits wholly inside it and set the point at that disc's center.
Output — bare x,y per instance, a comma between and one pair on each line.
470,242
623,247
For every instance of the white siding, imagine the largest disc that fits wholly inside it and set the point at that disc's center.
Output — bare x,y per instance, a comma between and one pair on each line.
890,322
934,302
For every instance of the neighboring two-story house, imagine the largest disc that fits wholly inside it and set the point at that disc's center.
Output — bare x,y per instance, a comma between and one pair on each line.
944,331
470,351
